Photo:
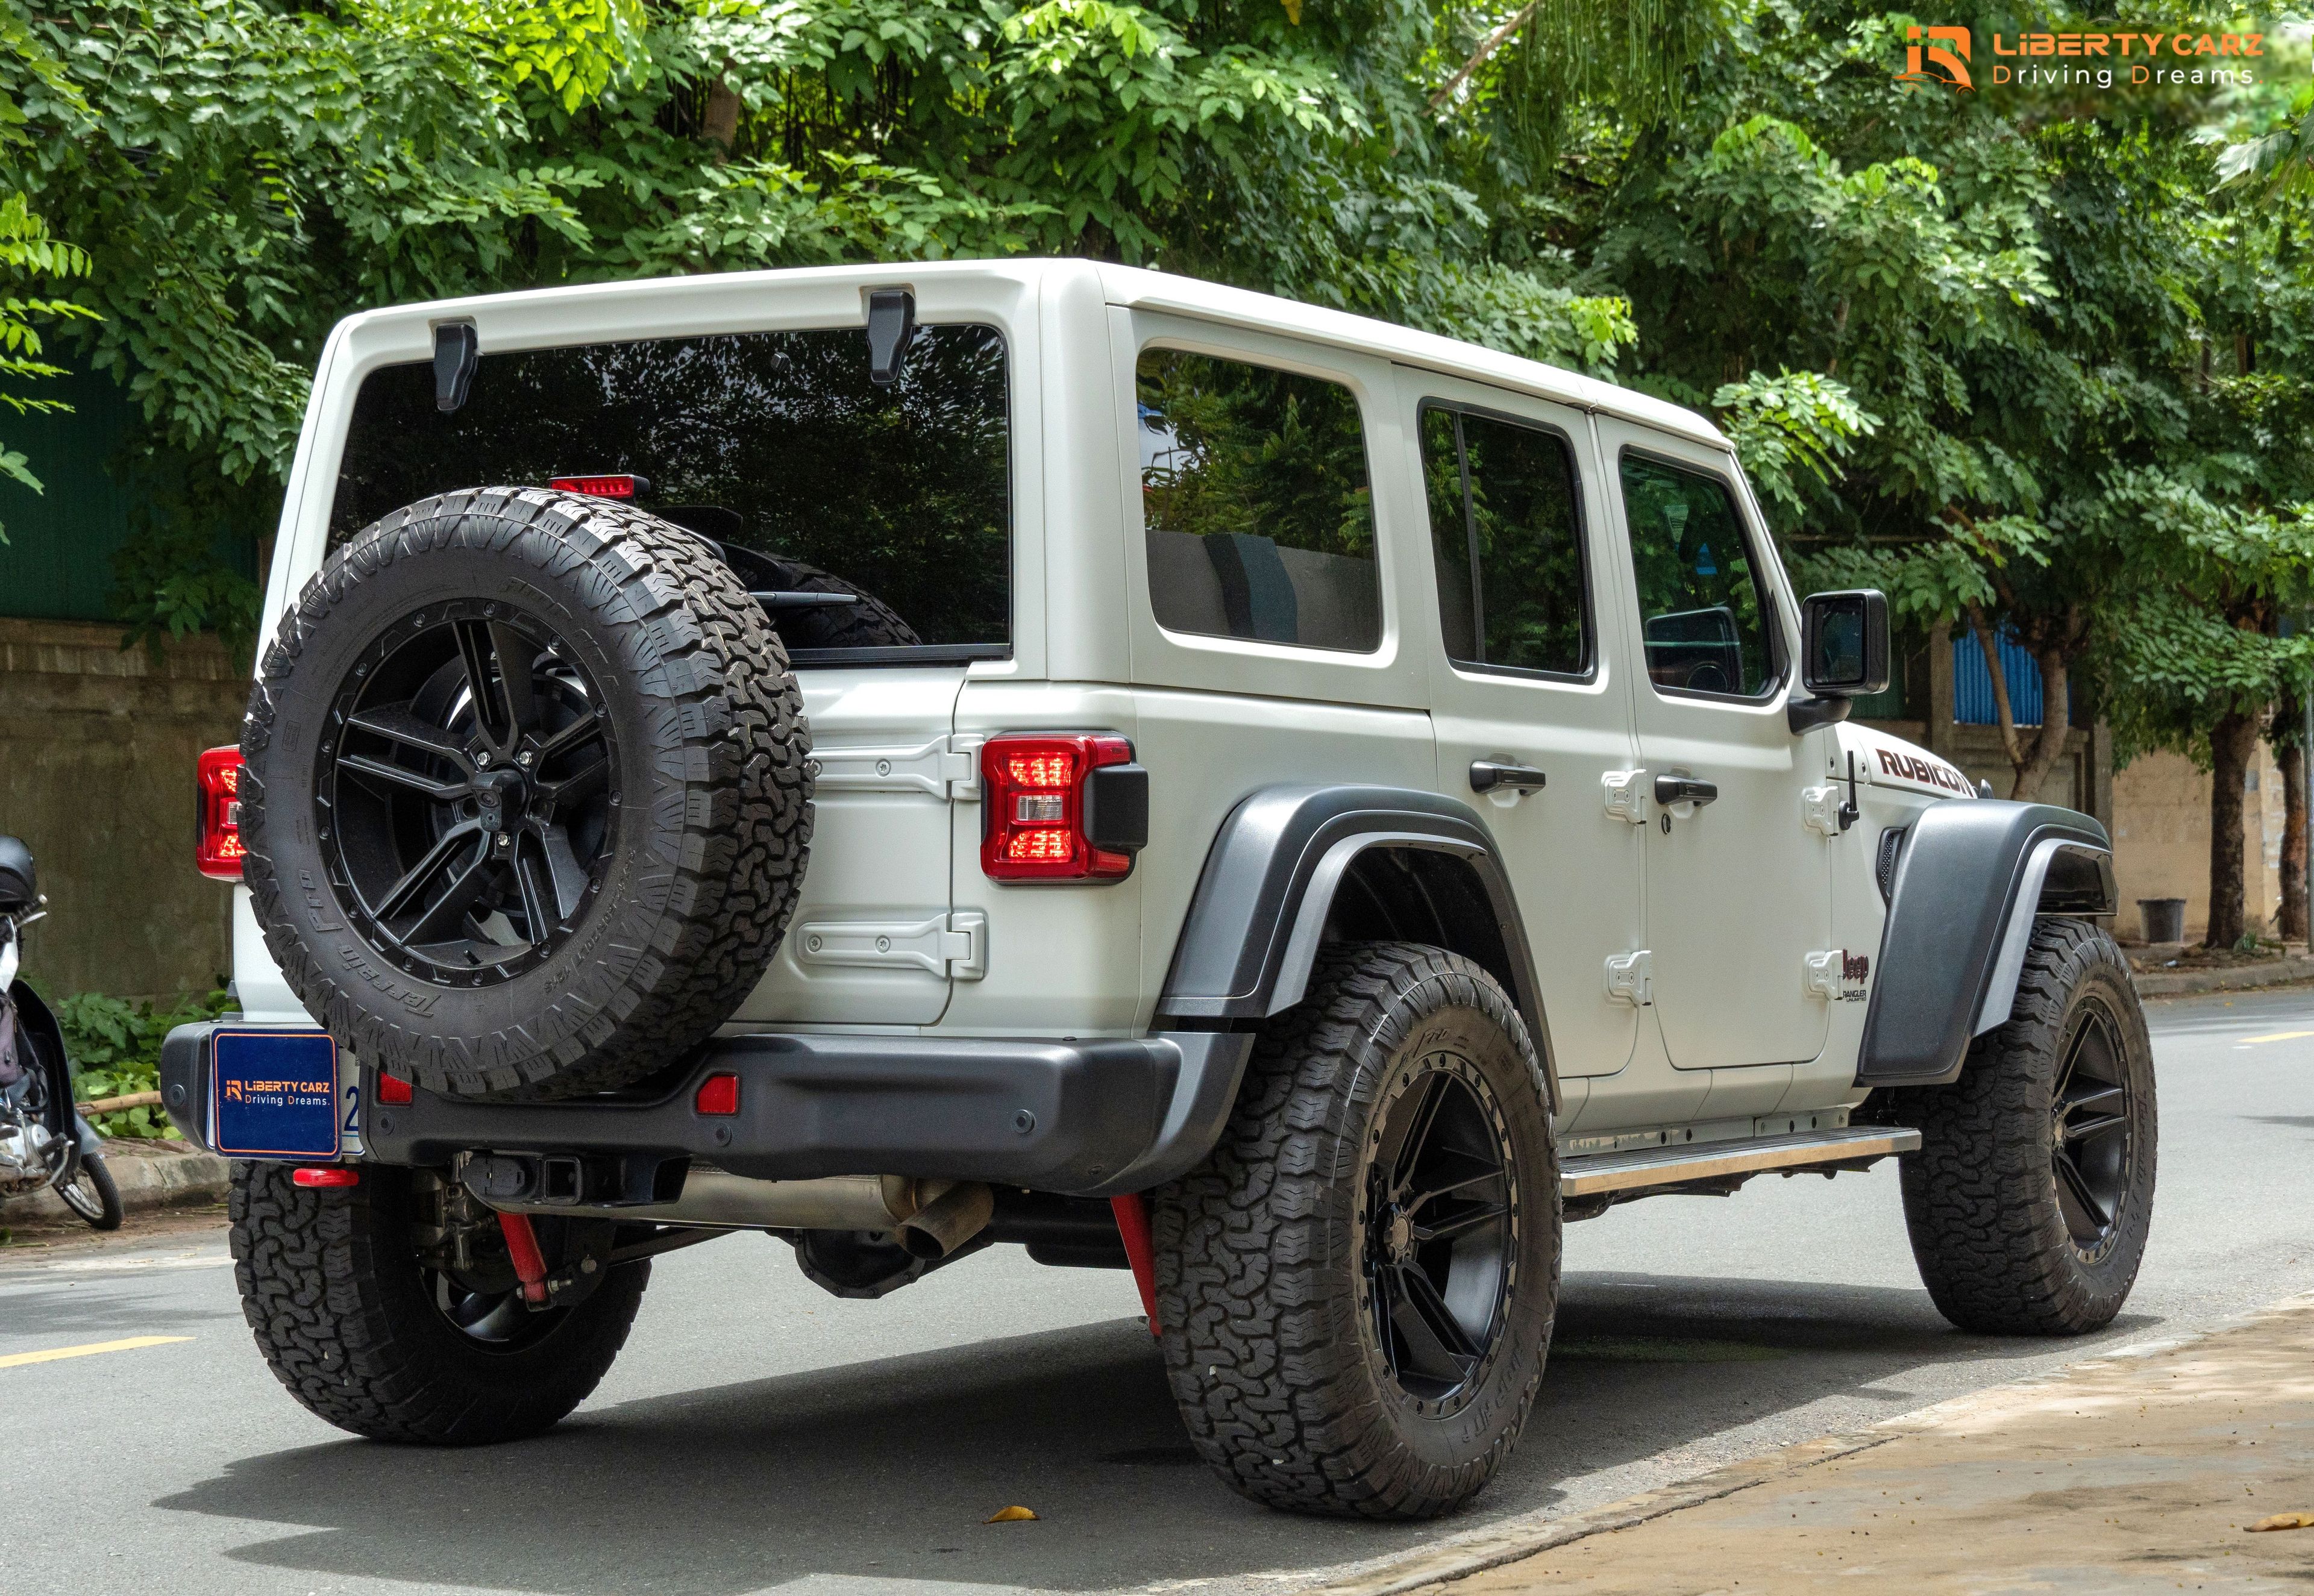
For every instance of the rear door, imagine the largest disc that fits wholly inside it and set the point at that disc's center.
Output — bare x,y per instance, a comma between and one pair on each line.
1738,887
1529,703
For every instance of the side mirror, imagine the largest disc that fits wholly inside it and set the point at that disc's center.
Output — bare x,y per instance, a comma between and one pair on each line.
1843,654
1844,644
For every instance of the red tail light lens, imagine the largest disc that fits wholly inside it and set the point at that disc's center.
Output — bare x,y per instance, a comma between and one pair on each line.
325,1176
611,485
1034,789
718,1095
217,787
392,1091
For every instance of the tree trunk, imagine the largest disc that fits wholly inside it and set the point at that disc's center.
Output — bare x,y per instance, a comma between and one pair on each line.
2290,753
2056,720
2232,741
721,122
2003,717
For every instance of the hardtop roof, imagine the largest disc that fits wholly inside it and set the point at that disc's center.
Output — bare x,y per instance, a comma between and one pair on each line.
1129,286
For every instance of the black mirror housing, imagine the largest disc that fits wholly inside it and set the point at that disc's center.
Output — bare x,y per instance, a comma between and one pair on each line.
1844,643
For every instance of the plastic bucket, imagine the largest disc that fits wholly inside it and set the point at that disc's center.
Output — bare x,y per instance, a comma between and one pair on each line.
2164,919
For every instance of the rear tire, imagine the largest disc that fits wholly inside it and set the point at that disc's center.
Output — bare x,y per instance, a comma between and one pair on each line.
349,1321
1313,1369
2031,1196
527,794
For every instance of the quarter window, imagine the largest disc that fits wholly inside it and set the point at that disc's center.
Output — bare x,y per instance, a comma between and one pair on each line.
1508,542
1703,606
1259,507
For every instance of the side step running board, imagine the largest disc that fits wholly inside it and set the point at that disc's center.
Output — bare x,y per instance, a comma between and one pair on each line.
1601,1174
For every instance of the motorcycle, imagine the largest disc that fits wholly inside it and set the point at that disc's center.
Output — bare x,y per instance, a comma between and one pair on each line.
44,1142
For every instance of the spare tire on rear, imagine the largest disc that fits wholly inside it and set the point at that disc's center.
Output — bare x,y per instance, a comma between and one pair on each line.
527,794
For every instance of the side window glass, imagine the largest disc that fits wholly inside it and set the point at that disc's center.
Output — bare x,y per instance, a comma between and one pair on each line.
1507,540
1702,606
1259,507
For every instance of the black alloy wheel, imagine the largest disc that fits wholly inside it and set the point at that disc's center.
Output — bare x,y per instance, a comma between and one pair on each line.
464,793
1441,1221
2091,1149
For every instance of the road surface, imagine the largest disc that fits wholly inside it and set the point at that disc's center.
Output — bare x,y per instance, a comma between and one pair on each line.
757,1435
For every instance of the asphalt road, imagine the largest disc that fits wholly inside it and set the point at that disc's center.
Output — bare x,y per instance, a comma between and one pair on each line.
757,1435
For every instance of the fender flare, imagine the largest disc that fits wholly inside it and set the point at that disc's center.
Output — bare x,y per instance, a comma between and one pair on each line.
1971,878
1259,916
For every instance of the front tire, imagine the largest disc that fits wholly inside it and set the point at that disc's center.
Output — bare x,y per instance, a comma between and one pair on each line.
92,1193
1356,1290
2031,1196
368,1339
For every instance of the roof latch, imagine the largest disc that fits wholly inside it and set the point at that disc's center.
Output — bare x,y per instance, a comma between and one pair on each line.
456,352
891,324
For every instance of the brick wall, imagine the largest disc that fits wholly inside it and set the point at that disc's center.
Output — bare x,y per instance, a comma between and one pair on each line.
96,773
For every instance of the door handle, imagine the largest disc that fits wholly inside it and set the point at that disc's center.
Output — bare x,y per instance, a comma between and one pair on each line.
1488,774
1685,789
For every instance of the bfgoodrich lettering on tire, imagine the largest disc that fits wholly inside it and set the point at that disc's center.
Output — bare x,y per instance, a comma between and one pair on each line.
1356,1291
2032,1194
526,795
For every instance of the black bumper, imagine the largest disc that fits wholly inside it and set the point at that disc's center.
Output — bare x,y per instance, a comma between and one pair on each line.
1085,1118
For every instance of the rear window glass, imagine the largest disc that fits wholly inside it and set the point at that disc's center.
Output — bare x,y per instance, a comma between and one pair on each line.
771,443
1259,513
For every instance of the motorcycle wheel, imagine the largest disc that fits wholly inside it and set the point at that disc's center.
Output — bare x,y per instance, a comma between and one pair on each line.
92,1193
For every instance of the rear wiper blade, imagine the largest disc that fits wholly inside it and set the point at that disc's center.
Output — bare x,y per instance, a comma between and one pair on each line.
802,601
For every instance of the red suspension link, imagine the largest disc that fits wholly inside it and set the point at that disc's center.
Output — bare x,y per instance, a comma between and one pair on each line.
529,1262
1132,1226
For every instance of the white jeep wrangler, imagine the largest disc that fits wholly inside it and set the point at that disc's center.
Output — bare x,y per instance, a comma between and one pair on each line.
914,758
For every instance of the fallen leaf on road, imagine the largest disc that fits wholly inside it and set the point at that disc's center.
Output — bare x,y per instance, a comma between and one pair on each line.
1014,1516
2281,1520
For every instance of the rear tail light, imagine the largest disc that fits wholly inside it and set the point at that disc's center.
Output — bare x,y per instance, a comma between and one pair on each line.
1070,807
609,485
217,787
392,1091
325,1176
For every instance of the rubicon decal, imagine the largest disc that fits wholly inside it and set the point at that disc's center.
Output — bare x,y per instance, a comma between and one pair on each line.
1917,771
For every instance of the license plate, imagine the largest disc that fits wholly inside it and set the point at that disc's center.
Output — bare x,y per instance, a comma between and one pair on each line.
274,1094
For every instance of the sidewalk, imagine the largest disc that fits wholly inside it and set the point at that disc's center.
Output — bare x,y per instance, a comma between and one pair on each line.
2172,970
2137,1472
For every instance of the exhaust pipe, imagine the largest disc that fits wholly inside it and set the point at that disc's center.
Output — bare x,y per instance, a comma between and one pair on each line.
932,1218
949,1220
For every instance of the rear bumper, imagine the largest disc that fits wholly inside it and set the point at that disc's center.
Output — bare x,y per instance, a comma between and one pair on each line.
1092,1118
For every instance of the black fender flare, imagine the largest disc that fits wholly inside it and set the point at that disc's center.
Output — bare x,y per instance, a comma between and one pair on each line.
1259,913
1971,878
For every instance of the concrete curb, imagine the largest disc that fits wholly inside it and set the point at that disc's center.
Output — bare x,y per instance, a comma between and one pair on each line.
147,1177
2177,984
1525,1536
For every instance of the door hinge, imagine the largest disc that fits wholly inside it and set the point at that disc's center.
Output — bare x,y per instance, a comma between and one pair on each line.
1819,973
945,768
1630,978
954,946
1626,794
1820,809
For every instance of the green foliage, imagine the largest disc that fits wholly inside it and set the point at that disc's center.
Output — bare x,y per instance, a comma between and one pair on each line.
115,1047
27,251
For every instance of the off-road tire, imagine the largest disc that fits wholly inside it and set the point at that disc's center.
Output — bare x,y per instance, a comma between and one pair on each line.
1981,1195
713,785
330,1285
1271,1356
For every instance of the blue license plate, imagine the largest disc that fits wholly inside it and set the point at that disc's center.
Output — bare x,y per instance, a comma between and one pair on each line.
274,1094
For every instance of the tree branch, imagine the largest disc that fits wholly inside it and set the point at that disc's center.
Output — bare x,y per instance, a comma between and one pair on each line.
1487,46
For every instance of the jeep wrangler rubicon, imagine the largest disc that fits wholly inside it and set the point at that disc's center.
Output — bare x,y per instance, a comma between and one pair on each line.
910,759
